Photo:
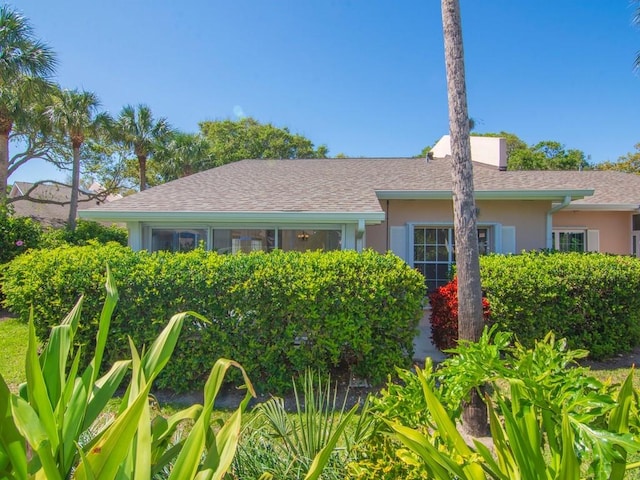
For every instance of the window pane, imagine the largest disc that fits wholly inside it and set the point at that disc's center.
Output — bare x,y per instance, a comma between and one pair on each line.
419,237
443,236
418,253
442,254
303,240
243,240
174,240
571,241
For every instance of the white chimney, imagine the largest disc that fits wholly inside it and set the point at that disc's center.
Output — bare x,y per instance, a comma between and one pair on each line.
487,150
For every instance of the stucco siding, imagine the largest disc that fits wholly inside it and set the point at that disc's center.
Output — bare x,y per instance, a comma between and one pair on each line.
614,227
528,218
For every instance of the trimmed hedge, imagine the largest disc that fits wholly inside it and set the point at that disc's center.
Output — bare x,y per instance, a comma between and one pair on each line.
275,313
592,300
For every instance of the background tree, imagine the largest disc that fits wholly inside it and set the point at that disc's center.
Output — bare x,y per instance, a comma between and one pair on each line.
183,155
231,141
547,155
629,163
138,130
25,66
470,314
73,114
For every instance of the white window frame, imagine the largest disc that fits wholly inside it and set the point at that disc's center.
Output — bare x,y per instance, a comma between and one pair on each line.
493,231
555,237
148,228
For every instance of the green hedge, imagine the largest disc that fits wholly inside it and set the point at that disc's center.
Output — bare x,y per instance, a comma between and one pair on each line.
591,299
275,313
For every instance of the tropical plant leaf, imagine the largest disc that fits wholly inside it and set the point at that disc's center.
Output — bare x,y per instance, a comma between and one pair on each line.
12,444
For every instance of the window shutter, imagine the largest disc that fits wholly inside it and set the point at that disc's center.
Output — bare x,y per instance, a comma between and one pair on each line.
398,242
508,239
593,240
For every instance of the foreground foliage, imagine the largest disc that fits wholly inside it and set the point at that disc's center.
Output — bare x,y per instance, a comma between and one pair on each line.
549,417
286,444
277,314
58,405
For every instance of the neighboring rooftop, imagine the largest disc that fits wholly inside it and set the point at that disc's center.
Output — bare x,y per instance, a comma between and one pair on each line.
51,214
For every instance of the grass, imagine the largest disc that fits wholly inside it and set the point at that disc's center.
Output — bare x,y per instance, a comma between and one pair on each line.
13,338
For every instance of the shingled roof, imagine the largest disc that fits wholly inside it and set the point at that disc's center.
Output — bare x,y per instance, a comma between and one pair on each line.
47,214
355,185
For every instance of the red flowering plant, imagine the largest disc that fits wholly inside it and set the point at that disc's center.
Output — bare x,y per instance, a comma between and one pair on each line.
444,315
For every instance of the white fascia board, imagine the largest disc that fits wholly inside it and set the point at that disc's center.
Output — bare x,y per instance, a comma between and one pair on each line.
370,218
485,194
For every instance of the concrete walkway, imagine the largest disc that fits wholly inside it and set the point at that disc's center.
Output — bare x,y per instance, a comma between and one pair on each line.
422,345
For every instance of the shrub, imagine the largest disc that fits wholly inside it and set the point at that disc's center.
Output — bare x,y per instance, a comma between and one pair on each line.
444,315
85,232
277,313
17,234
590,299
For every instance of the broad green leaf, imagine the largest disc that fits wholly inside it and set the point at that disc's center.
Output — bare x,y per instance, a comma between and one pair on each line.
187,463
37,390
29,425
105,321
141,446
104,389
11,442
446,427
54,361
163,428
104,458
162,348
221,453
439,463
569,465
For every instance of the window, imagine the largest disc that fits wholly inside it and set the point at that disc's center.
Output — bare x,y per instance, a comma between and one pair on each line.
174,240
243,240
249,240
303,240
434,252
569,240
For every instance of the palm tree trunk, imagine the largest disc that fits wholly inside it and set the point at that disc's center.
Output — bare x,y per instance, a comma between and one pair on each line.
470,319
75,187
142,161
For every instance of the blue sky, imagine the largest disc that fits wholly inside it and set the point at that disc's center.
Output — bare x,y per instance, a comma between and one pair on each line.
364,77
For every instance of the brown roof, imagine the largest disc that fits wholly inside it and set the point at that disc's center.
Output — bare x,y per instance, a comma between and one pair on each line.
48,214
354,185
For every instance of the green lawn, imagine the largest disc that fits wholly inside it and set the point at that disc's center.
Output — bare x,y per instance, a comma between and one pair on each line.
13,338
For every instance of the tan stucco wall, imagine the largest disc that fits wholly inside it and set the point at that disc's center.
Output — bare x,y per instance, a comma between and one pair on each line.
614,227
529,218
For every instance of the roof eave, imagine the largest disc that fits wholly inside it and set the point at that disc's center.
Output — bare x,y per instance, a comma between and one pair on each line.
485,194
605,207
370,218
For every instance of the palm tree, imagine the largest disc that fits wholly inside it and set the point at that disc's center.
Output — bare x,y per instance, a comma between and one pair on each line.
470,319
25,65
73,114
138,130
184,154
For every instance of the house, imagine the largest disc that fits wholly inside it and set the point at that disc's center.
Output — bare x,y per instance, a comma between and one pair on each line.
43,209
398,204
